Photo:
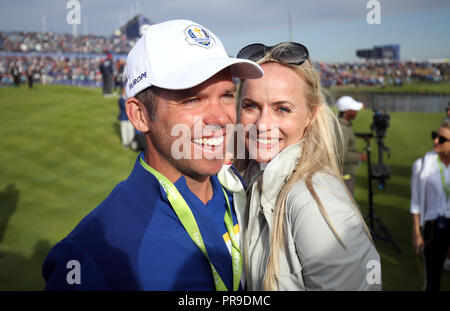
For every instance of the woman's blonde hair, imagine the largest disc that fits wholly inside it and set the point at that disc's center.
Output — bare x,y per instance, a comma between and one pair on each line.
319,153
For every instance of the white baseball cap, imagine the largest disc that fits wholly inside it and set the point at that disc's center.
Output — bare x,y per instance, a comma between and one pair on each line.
348,103
180,54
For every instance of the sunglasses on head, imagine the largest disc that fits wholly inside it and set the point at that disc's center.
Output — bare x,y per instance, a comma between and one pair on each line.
442,139
291,53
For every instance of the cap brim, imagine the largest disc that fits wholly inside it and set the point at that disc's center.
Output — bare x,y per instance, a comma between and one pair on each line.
197,72
357,106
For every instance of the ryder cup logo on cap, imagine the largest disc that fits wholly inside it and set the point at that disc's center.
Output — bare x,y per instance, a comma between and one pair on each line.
196,35
180,54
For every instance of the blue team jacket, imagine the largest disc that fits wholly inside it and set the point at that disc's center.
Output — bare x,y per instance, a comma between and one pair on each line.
134,241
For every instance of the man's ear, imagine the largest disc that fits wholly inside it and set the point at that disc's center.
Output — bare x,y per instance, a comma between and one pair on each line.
137,114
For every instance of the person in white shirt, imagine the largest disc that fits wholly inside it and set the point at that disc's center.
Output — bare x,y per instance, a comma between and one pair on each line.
430,206
447,260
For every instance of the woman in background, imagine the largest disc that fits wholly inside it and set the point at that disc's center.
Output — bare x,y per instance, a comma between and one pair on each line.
430,206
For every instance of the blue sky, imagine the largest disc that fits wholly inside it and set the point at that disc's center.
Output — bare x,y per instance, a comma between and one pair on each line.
331,29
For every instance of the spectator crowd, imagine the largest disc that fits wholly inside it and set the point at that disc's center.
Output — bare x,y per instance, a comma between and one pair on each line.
29,42
382,73
64,59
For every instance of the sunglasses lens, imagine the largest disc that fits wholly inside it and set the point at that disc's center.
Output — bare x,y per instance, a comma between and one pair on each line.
252,52
441,139
291,53
287,52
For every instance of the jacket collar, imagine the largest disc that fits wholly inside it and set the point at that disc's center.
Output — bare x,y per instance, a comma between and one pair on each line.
274,175
231,180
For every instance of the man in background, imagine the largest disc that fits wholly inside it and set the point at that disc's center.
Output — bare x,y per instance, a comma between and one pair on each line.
15,72
119,78
107,71
127,131
348,110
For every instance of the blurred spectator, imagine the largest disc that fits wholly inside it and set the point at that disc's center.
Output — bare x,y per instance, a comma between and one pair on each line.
107,71
15,72
430,182
126,128
120,78
30,76
130,137
447,260
350,155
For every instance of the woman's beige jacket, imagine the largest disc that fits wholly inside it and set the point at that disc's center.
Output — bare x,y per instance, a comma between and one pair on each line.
313,258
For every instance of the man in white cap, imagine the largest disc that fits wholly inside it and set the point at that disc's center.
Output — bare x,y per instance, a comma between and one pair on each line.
171,225
348,110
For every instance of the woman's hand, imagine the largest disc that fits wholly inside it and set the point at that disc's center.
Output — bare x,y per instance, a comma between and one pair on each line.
418,243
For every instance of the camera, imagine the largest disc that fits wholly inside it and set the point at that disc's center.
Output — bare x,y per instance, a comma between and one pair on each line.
380,171
380,123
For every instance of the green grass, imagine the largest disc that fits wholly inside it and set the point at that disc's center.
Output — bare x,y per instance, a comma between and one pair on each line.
60,156
410,88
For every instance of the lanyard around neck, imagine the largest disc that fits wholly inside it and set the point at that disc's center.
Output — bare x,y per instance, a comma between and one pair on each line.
186,217
445,185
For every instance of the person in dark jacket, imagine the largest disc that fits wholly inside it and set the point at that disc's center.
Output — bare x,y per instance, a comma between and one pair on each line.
15,72
107,71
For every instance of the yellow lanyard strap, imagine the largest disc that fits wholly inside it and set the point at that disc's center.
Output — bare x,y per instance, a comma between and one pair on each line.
445,185
186,217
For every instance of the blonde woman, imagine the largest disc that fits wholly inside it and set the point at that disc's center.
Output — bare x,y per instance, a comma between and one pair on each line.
302,230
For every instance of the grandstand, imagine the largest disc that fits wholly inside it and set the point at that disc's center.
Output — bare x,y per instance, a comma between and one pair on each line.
135,27
63,59
388,73
383,53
